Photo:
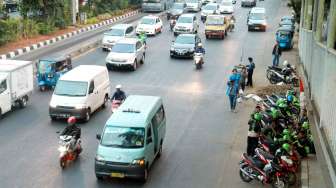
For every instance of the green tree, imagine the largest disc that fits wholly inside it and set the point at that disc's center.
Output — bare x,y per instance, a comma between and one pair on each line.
296,6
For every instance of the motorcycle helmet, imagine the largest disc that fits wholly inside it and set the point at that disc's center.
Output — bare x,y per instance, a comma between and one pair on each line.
286,137
285,63
286,147
118,86
305,125
285,132
257,116
290,98
71,120
274,113
199,45
281,103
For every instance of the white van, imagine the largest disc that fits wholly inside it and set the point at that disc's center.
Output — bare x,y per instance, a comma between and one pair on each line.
256,19
80,92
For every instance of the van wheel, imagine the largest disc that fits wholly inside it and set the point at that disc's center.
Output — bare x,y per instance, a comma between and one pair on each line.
0,114
23,102
42,88
105,101
145,175
99,177
160,151
143,59
87,115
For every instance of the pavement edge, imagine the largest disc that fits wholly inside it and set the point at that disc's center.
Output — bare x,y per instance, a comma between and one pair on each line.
32,47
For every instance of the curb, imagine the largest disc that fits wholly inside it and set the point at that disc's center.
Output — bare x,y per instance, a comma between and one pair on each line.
32,47
304,174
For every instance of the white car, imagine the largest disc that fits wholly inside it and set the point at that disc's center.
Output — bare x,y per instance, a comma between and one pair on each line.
186,23
193,5
226,7
127,52
208,9
151,25
116,33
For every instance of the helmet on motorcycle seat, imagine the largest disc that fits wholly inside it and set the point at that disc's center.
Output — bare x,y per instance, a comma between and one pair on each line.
257,116
285,132
118,86
286,137
281,103
274,113
71,120
199,44
290,98
286,147
305,125
285,63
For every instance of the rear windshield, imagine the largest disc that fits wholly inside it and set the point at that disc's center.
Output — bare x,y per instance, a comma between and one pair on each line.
257,16
115,32
215,21
185,20
148,21
210,7
123,48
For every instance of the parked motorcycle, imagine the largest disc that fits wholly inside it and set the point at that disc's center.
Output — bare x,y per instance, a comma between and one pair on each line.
115,105
275,77
254,169
198,60
68,155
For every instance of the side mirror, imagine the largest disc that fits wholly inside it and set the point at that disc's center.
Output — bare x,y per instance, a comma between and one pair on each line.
149,140
58,132
98,136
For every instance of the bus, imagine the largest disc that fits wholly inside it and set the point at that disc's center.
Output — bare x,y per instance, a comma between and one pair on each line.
156,5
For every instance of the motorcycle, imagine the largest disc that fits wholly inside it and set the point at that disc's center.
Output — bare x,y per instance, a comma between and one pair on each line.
172,24
115,105
286,164
232,25
254,169
198,60
275,77
66,154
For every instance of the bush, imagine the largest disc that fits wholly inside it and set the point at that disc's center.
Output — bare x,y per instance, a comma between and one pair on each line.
93,20
104,16
45,28
9,30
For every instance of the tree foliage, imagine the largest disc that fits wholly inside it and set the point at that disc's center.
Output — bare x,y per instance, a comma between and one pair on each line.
296,5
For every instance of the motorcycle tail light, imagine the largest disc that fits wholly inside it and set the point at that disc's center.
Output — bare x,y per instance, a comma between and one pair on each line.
278,174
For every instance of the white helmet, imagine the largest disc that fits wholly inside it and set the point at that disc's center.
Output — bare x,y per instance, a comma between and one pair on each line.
199,44
285,63
118,86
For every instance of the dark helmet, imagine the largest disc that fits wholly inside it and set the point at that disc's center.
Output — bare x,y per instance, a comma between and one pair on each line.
250,59
72,120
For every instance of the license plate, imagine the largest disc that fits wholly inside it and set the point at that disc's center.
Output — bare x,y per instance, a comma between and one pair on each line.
117,175
257,28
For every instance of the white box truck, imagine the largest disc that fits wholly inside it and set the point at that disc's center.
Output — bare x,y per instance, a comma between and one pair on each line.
16,84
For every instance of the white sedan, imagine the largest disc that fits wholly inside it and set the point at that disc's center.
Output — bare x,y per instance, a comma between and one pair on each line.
151,25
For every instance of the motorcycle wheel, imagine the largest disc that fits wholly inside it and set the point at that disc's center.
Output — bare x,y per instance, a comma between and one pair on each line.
243,176
291,178
62,163
272,79
279,183
268,74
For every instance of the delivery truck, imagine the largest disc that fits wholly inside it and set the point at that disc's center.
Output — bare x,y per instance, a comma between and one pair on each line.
16,84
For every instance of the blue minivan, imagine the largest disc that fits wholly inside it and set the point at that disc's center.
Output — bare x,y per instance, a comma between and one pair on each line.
132,138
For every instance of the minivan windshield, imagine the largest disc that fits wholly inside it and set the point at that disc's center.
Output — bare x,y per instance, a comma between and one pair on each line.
191,1
115,32
123,137
257,16
185,19
123,48
71,88
178,6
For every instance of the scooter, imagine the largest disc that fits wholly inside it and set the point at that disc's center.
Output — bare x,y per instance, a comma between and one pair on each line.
198,60
66,154
115,105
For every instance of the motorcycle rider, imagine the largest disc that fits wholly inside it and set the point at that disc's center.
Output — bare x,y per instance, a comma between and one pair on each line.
232,23
200,49
254,131
119,94
72,130
142,36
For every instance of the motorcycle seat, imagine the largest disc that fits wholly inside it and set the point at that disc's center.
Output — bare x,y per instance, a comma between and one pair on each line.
255,161
265,154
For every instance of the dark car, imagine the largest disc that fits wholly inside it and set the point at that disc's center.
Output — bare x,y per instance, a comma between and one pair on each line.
184,45
176,10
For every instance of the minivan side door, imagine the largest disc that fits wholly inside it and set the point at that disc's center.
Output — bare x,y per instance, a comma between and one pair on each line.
150,144
93,96
5,97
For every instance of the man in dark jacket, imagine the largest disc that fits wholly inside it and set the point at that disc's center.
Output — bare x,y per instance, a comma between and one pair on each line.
72,130
119,94
276,54
250,69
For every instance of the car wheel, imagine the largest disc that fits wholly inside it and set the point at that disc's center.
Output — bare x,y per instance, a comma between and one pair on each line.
42,88
145,175
105,101
108,67
135,65
0,114
143,59
99,177
160,151
53,118
207,36
87,115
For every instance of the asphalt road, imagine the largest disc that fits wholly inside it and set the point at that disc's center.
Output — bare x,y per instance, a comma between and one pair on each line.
204,139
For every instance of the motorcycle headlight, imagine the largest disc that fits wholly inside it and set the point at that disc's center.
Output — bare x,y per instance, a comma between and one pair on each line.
172,48
140,162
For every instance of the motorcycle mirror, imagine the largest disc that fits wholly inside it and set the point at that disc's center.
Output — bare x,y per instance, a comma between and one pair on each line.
98,136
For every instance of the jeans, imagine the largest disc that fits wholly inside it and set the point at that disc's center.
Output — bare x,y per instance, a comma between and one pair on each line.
276,60
233,101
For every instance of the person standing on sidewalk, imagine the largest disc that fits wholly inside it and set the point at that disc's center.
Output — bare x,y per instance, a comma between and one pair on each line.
233,89
243,76
250,69
276,54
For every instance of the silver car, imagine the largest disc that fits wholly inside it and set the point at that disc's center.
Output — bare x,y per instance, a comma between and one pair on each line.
127,52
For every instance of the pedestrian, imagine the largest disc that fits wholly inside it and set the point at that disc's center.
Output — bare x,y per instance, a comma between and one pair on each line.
250,69
254,131
232,89
276,54
243,76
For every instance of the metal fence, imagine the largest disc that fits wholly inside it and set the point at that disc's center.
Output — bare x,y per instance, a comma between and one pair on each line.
320,68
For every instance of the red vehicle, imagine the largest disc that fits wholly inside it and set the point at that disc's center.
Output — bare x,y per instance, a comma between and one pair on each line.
68,155
115,105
